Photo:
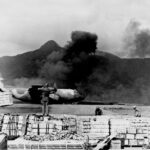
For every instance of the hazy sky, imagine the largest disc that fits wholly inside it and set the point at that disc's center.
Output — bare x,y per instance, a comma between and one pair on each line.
27,24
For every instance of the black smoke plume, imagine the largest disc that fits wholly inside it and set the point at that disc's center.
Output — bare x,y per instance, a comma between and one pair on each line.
76,65
137,40
78,56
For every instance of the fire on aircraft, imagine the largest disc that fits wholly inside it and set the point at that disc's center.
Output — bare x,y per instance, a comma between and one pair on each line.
34,94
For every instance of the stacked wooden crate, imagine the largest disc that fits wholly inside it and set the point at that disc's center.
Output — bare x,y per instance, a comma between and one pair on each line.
95,127
49,132
115,144
13,125
5,98
46,127
138,132
41,125
69,122
134,130
21,144
118,127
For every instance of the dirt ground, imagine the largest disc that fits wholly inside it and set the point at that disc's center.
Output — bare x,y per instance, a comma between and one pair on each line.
125,110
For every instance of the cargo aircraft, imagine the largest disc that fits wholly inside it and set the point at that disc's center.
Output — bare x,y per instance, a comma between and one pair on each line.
56,95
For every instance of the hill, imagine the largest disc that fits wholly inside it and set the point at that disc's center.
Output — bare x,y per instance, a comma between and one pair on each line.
111,79
26,64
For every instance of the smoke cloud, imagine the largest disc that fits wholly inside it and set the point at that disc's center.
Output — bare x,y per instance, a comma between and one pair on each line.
76,65
55,69
25,82
137,40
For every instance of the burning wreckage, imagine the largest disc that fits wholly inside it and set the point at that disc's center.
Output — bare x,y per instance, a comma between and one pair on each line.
56,95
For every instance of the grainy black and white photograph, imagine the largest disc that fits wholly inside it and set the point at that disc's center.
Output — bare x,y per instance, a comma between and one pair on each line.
74,74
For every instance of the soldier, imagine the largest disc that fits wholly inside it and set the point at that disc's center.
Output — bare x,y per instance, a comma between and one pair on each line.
98,111
136,112
45,101
46,90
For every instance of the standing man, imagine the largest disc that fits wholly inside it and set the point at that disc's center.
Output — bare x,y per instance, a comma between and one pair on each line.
46,91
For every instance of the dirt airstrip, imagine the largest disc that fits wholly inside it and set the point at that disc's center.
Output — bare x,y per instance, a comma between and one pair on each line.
125,110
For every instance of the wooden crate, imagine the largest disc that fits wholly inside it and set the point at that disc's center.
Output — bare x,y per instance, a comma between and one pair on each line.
21,144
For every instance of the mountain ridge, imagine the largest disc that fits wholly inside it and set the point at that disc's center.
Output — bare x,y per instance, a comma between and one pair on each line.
127,76
39,56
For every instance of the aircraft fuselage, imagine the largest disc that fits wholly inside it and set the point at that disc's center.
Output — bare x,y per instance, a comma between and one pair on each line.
34,95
